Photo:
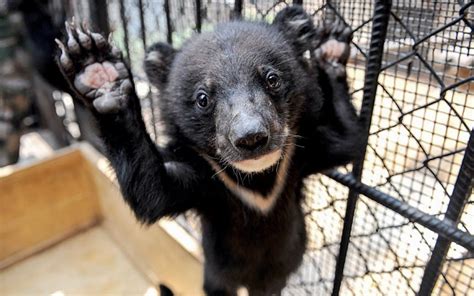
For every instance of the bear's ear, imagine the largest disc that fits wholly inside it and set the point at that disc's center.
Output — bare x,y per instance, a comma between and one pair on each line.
297,26
158,60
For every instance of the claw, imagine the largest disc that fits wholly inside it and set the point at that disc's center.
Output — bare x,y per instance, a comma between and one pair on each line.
113,48
85,26
336,26
84,39
298,23
60,45
116,52
108,103
121,69
64,59
98,39
69,26
71,42
126,87
347,33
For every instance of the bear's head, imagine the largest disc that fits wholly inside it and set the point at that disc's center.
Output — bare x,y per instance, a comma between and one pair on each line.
233,94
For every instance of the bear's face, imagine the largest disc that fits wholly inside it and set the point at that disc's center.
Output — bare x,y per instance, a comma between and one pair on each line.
235,95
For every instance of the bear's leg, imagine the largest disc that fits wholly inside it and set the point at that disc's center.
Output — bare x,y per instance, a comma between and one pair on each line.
215,284
158,60
274,290
215,288
99,77
338,133
331,59
334,49
297,26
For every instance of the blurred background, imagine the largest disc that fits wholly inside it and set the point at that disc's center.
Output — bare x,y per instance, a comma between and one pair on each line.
64,229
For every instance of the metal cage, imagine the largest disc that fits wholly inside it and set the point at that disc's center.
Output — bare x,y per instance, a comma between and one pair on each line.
400,220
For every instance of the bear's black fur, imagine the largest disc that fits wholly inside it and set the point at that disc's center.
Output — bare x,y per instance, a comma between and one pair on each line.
228,97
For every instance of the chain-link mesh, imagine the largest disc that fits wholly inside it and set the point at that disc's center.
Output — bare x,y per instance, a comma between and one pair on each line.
420,127
422,119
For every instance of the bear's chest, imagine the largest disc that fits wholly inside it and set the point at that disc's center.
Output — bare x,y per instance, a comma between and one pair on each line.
241,238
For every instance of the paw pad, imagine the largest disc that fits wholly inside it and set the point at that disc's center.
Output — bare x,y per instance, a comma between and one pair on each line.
334,48
94,69
98,75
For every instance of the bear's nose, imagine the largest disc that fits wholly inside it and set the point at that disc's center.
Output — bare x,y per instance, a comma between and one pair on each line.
248,132
251,141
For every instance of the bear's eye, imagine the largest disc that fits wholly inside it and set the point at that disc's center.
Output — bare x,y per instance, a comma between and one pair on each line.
273,80
202,99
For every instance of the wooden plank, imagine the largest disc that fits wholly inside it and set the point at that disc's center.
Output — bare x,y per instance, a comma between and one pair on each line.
88,264
43,203
161,251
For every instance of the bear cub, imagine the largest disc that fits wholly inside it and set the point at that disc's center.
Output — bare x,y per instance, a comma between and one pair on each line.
251,109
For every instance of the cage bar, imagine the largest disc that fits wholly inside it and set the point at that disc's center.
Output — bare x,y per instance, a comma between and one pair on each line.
123,19
142,24
198,16
444,228
99,16
169,27
461,193
374,61
238,4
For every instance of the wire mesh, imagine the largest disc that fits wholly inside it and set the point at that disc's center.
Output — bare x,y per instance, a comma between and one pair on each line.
422,119
420,128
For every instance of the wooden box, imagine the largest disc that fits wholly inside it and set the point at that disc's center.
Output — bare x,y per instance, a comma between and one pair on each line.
43,203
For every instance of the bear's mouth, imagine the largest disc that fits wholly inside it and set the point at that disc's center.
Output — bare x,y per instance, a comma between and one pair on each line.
259,163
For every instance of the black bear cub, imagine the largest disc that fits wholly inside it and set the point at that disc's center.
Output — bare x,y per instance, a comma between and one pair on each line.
250,115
